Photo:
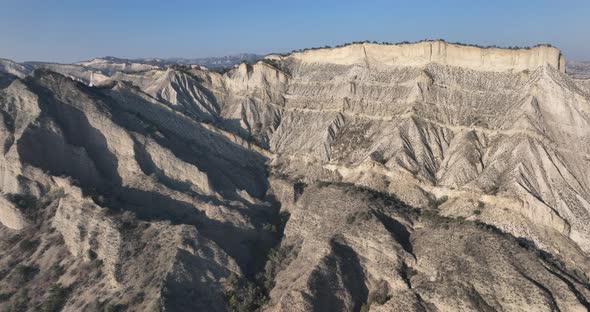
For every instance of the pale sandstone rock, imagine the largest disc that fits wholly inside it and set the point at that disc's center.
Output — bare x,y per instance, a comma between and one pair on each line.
10,216
422,53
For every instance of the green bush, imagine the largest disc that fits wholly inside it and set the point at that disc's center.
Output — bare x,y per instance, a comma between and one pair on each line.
243,295
27,245
20,302
92,255
56,270
82,231
96,264
56,298
278,260
23,202
365,307
103,306
358,216
269,227
5,296
23,274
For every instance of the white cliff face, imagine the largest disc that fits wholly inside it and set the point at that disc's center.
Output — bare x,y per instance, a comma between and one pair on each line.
423,53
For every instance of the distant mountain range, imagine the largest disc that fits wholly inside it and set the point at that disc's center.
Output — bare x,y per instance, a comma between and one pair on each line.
210,62
222,61
578,69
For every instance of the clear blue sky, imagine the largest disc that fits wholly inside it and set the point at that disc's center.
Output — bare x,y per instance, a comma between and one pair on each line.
74,30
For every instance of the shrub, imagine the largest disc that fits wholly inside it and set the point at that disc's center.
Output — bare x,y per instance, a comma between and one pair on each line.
23,202
82,231
5,296
377,156
103,306
92,255
269,227
56,298
322,184
20,302
96,264
23,274
243,295
56,270
380,296
298,188
128,220
27,245
109,307
358,216
441,200
278,260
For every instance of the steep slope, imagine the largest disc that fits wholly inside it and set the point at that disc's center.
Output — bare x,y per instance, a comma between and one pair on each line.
128,153
493,139
491,132
346,247
179,89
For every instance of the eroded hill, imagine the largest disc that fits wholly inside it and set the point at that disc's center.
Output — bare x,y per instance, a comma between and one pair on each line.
414,177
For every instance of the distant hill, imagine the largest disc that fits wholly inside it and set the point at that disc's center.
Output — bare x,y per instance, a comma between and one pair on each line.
110,64
222,61
579,69
211,62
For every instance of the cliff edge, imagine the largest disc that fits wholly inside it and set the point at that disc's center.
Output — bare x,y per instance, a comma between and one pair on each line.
425,52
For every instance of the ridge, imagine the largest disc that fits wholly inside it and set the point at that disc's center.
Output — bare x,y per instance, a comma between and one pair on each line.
436,51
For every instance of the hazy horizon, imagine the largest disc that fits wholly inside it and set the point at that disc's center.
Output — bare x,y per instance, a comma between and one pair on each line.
73,31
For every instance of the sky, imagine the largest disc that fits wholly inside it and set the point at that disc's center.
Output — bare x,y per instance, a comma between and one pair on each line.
75,30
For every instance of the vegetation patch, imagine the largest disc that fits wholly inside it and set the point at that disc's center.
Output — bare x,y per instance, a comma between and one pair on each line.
23,202
358,216
278,260
243,295
20,302
56,270
26,245
56,298
23,274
